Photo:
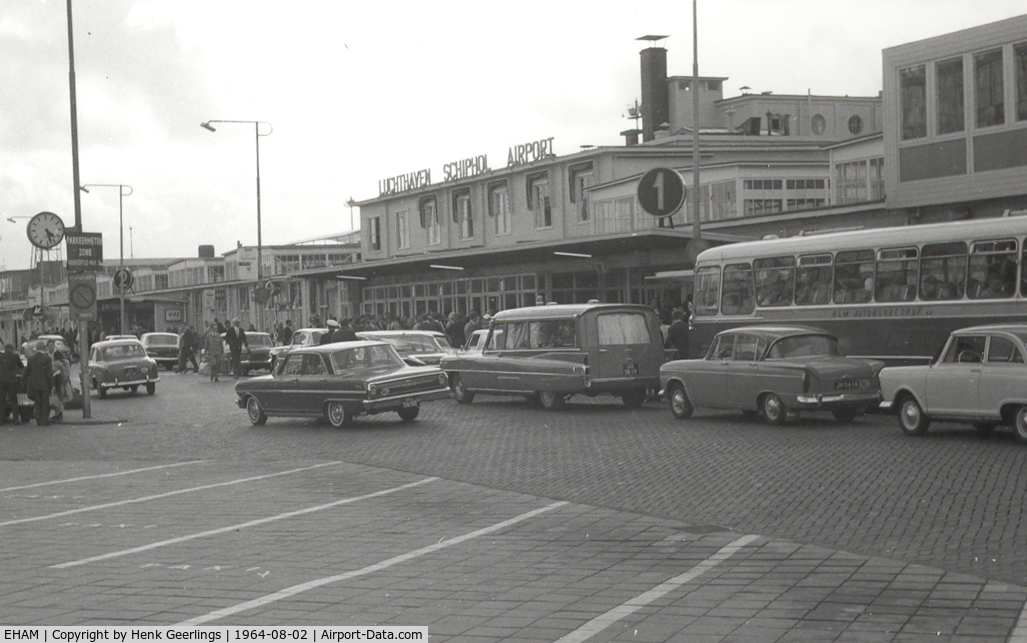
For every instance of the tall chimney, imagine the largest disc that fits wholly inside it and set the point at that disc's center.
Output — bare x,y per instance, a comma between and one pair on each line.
655,98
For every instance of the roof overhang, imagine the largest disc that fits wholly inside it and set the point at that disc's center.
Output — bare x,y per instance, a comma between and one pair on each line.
469,259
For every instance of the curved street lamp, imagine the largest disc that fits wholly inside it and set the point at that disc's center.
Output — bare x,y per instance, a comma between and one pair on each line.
256,129
121,231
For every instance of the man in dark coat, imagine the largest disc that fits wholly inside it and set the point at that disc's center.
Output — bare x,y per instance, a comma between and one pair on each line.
10,367
39,382
344,333
677,334
235,337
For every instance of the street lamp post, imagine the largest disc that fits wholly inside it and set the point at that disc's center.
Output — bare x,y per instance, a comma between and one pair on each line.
260,245
121,233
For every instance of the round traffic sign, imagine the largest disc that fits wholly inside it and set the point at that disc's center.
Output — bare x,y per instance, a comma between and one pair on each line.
122,278
661,192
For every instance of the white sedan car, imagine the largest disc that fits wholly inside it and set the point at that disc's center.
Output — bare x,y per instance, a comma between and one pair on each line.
979,377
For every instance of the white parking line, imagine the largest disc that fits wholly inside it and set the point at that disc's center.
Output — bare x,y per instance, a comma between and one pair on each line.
304,587
160,495
101,475
242,525
603,621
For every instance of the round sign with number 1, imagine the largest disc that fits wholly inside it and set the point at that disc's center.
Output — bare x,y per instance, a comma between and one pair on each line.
661,192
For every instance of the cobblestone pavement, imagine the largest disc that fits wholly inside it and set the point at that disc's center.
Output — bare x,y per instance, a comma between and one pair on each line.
499,521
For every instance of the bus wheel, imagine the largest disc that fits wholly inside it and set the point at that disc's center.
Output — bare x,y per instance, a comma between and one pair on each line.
680,405
912,419
774,409
1020,424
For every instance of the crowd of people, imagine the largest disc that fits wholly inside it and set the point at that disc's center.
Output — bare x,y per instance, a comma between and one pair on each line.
47,378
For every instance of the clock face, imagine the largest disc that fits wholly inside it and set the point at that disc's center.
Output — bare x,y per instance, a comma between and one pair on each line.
46,230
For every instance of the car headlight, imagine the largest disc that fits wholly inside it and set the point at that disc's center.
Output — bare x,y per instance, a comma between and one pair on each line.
372,389
443,380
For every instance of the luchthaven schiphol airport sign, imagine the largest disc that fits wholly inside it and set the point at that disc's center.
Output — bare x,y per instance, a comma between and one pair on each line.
522,154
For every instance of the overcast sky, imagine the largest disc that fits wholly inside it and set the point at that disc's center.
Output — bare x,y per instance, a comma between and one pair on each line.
358,91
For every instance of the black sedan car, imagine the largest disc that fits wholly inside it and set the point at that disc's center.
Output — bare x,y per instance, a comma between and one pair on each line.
340,381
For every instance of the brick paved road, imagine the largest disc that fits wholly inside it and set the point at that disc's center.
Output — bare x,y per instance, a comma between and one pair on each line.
855,512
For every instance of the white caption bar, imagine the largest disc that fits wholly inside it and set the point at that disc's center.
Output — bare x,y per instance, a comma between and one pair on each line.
131,634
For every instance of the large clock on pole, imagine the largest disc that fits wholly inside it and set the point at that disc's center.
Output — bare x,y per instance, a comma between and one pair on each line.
45,230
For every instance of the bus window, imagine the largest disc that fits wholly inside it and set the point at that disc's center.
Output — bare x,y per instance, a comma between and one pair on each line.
738,290
943,271
853,276
706,300
775,280
992,269
813,280
896,275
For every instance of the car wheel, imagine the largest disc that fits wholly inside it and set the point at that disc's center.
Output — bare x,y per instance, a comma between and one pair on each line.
460,392
409,414
102,391
338,416
256,414
551,401
151,388
680,405
1020,424
134,388
633,399
844,416
774,409
912,419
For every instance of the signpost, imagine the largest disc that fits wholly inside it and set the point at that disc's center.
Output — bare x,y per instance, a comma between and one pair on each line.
661,192
82,297
85,252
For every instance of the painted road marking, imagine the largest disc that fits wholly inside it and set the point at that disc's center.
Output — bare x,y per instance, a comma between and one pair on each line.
603,621
101,475
370,569
242,525
161,495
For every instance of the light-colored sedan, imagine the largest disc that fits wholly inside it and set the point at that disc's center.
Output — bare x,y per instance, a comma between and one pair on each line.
121,363
426,346
773,370
979,377
301,338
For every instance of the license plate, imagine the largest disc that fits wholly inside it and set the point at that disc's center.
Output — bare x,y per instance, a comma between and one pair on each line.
846,384
631,369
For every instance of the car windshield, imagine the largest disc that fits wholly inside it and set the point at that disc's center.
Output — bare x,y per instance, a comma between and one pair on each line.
254,339
805,346
162,340
123,351
374,356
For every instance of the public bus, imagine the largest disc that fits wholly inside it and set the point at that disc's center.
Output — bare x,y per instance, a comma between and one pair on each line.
892,294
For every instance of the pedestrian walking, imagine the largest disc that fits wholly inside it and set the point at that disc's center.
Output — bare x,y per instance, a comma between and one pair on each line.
215,350
187,346
235,337
10,368
62,387
39,383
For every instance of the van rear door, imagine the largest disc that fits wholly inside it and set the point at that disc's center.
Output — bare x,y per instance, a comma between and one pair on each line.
627,348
